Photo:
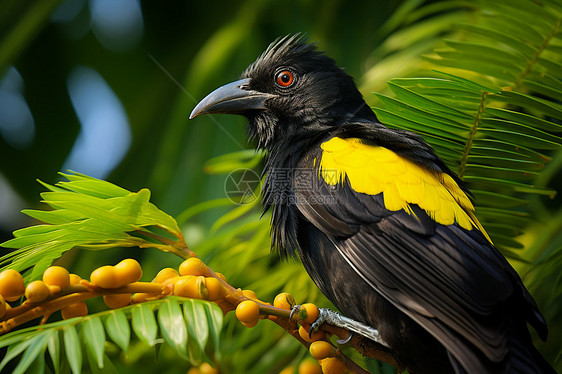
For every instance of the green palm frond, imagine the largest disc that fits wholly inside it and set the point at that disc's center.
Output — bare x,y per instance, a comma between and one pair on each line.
190,327
93,214
495,116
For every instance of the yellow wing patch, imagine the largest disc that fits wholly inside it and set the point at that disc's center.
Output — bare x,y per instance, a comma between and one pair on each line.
373,170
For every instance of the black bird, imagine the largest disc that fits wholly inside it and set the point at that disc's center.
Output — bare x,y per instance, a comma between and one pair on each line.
384,228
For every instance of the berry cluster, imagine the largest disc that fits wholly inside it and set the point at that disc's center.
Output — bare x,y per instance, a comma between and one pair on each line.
119,285
328,357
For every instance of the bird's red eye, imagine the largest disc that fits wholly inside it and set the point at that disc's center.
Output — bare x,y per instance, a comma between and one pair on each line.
284,78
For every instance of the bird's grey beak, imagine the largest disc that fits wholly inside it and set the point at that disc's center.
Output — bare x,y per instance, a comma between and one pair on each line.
232,98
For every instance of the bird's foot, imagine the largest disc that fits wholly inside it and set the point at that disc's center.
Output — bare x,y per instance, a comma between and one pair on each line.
332,318
295,309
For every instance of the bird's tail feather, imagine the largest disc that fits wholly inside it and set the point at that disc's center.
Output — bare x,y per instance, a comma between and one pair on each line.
523,358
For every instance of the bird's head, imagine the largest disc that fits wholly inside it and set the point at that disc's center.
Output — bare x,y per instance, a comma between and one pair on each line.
292,91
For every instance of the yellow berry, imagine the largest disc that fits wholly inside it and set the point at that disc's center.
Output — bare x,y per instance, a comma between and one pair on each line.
309,313
251,324
172,281
191,286
333,365
78,309
37,291
321,349
215,288
309,366
141,297
56,276
284,301
193,266
316,335
164,274
288,370
193,370
11,285
250,294
248,311
206,368
182,286
104,277
53,290
2,307
117,300
74,279
127,271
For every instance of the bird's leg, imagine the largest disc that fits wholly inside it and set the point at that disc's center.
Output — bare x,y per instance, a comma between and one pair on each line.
330,317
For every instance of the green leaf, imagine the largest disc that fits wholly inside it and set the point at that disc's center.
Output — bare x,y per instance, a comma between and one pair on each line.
14,337
533,121
496,160
492,53
416,100
173,326
520,219
54,350
491,172
214,319
54,217
91,186
94,338
432,120
197,326
73,349
502,145
529,102
35,340
475,64
88,213
117,327
492,199
15,350
522,129
144,323
476,87
506,242
518,138
506,186
390,118
499,36
35,350
37,366
442,88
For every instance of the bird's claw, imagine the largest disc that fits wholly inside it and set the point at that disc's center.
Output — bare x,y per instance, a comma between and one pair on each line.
336,319
323,316
346,340
295,309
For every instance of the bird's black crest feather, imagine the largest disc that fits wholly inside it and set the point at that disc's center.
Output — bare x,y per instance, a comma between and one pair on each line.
283,49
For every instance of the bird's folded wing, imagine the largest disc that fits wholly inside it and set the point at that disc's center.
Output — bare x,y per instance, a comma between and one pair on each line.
440,270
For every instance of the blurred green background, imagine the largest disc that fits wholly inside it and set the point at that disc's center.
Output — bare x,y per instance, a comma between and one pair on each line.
105,87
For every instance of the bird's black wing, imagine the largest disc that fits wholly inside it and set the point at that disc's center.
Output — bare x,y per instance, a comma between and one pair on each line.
445,276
